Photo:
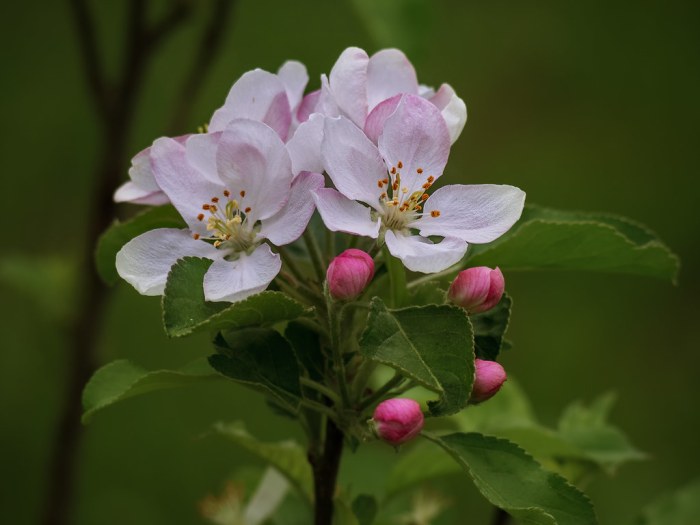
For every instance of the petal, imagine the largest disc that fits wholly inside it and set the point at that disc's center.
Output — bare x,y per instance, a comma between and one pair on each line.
305,146
416,136
294,77
340,214
290,222
348,84
389,73
131,192
352,161
425,91
374,125
476,213
184,185
200,151
308,105
145,261
419,254
453,110
233,281
257,95
326,103
253,162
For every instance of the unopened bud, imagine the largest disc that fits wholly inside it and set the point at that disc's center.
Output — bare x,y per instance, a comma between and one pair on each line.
477,289
349,274
397,420
489,376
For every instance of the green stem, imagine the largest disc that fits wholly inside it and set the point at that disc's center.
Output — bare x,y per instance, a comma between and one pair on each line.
336,349
315,254
397,278
289,261
322,409
435,276
381,392
330,394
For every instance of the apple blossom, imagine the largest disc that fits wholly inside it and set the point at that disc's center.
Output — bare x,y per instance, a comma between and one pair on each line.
489,377
349,274
477,289
393,179
234,189
274,99
367,90
397,420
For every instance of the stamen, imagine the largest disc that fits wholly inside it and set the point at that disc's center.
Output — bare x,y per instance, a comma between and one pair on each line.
419,171
393,170
215,199
242,193
206,206
404,190
399,165
227,193
195,236
247,210
431,179
424,196
200,217
426,185
380,184
435,213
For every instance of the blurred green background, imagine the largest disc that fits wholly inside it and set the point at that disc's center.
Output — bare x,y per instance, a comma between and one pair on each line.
585,105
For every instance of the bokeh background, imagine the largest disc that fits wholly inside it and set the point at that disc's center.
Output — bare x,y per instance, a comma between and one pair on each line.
585,105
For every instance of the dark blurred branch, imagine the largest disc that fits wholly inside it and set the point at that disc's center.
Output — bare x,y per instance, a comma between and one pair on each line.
500,517
207,51
116,104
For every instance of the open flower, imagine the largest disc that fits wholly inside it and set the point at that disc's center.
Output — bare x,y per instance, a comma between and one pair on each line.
234,189
394,178
367,90
274,99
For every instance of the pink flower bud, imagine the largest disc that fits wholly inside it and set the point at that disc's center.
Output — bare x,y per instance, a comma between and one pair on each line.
477,289
489,376
397,420
349,274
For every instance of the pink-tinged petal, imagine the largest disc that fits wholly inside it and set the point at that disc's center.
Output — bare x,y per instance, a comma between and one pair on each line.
131,192
184,185
308,106
252,159
326,102
425,91
419,254
476,213
415,136
290,222
352,161
374,125
389,73
305,146
453,110
294,77
257,95
340,214
348,84
233,281
200,151
144,261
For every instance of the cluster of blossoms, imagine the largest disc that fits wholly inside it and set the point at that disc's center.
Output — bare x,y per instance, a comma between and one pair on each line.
251,182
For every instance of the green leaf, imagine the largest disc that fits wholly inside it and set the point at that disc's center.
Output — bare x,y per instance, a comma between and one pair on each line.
490,328
122,379
432,345
186,312
288,457
587,429
119,233
365,509
262,359
511,480
426,293
342,513
681,507
307,348
551,239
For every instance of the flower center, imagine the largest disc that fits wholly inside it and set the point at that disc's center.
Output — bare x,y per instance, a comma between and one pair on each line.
228,223
399,207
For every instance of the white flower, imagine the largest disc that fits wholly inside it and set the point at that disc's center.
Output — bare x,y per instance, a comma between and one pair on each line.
234,189
382,191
